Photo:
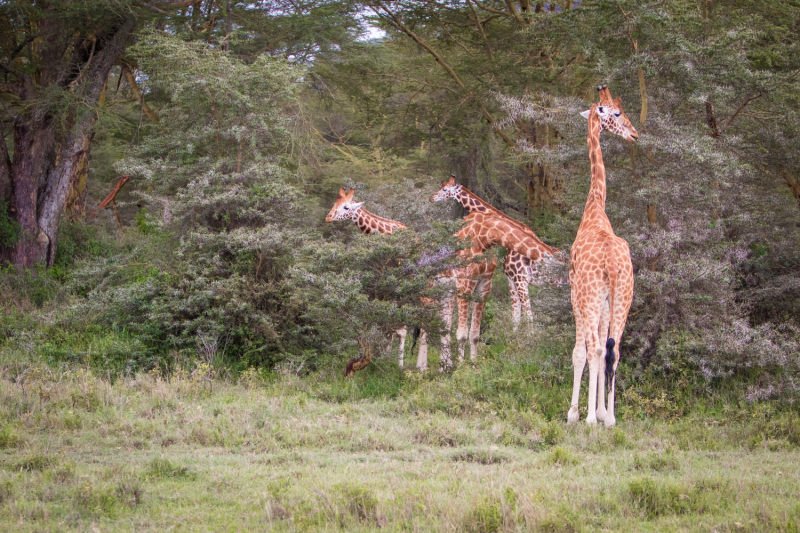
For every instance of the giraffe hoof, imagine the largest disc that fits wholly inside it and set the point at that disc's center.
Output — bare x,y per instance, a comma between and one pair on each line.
601,415
591,420
573,415
610,421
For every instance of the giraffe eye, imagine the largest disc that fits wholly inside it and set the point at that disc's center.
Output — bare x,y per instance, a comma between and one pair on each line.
618,113
600,109
346,207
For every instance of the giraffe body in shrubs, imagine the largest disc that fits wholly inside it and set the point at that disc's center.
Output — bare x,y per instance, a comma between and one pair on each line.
517,267
345,208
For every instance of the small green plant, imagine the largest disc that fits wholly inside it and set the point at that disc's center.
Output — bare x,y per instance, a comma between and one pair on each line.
9,438
561,456
485,517
563,520
618,438
129,492
511,498
10,230
35,462
553,433
6,490
359,501
658,462
143,224
481,457
659,498
62,473
95,501
164,468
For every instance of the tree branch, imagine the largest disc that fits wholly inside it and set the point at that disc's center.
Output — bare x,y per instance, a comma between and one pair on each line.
110,198
740,109
152,115
395,21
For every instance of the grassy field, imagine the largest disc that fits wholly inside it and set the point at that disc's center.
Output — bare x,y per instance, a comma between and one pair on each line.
386,450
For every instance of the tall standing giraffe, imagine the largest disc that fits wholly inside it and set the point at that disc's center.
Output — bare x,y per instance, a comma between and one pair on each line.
516,266
345,208
601,273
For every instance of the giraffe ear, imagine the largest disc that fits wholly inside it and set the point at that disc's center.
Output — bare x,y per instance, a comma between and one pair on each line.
585,114
356,205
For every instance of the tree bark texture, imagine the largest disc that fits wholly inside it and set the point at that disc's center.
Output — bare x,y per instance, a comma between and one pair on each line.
52,143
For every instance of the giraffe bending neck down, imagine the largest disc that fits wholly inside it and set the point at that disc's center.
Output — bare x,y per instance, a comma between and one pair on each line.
346,209
516,267
601,274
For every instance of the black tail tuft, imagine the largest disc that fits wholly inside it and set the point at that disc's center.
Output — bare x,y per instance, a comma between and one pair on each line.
414,336
610,360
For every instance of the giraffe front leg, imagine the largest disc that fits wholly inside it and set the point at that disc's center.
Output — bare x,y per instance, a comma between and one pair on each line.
462,333
475,330
422,356
578,362
446,313
515,305
401,333
525,301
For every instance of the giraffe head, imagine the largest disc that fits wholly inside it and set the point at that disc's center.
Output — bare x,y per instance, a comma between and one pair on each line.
450,189
612,117
344,208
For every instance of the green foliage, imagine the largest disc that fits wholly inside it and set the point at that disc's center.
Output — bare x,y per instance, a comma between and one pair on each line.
10,230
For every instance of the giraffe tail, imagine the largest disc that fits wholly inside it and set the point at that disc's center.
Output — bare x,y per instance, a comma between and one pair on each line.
414,336
610,361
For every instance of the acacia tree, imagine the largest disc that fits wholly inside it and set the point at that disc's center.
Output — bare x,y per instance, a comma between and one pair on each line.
55,58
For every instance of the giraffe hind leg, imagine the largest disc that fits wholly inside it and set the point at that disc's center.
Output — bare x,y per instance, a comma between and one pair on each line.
590,313
602,335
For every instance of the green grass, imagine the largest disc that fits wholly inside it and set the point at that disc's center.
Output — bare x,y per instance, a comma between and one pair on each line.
481,449
321,453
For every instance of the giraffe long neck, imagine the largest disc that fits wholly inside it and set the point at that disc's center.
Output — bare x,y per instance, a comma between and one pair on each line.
370,223
595,211
473,203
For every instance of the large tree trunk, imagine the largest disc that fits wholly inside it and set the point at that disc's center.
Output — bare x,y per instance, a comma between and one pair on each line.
33,146
49,147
